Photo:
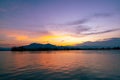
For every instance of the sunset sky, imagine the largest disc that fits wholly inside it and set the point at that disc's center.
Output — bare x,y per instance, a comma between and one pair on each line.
59,22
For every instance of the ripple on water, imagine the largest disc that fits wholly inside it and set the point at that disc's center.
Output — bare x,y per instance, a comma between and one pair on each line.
61,65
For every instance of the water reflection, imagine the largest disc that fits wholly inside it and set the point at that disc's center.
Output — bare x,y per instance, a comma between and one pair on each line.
59,65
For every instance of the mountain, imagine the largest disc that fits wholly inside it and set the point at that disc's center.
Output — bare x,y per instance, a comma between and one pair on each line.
34,47
109,43
113,43
37,46
42,47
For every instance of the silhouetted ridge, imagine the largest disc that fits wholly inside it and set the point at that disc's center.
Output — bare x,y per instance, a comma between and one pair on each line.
38,46
110,44
35,47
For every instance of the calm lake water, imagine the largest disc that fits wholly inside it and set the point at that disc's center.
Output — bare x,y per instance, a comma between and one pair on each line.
60,65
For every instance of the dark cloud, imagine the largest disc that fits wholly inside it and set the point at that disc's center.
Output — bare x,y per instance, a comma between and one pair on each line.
80,29
67,29
87,19
106,31
40,33
81,21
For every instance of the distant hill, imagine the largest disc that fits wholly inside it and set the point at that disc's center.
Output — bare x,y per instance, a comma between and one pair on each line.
108,44
113,42
38,47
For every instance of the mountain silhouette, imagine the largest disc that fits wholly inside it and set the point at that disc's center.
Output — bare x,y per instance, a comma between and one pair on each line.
112,42
37,46
34,47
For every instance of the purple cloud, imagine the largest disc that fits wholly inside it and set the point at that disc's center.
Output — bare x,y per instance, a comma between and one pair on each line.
87,19
80,29
102,32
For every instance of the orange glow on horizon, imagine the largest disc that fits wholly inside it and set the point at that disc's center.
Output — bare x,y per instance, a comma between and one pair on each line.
19,38
60,40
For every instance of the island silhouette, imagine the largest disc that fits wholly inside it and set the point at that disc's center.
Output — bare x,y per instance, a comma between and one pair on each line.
109,44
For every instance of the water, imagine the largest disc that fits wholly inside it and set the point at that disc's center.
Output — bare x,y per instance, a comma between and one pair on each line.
60,65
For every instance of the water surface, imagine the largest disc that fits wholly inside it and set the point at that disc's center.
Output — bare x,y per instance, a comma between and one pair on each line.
60,65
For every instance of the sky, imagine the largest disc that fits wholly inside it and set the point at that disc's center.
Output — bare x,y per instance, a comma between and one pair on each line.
59,22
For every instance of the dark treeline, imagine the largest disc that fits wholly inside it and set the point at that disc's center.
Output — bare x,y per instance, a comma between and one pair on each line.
22,48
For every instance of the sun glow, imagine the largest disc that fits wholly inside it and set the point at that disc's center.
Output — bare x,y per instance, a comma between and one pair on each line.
60,40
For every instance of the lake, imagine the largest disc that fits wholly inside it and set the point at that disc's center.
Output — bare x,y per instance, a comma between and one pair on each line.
60,65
